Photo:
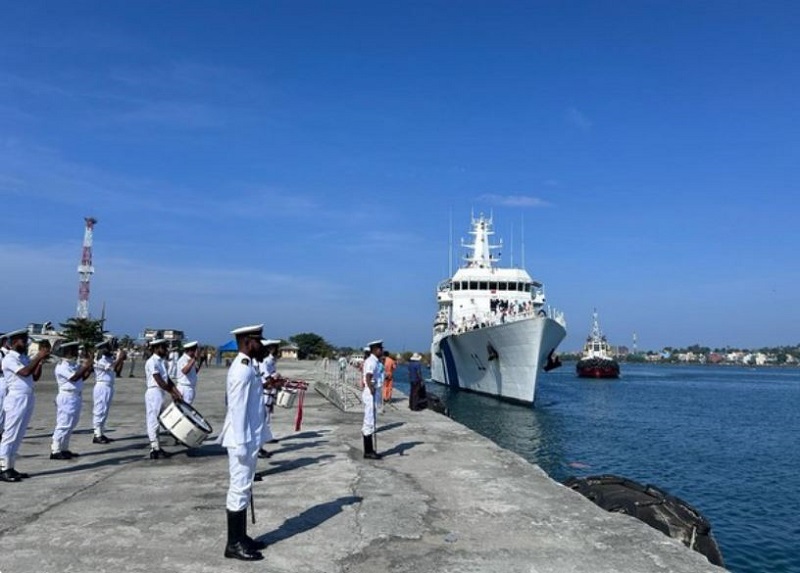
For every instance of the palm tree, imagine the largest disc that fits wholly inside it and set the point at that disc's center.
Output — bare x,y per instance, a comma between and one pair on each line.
83,330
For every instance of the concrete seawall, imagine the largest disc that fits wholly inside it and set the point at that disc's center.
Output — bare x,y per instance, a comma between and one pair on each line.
443,499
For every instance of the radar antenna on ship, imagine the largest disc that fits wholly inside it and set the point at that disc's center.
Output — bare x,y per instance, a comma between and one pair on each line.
481,255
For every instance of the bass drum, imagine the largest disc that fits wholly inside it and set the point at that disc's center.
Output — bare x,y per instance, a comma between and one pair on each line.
185,424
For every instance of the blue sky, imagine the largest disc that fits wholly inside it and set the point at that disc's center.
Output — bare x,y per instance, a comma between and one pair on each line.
296,163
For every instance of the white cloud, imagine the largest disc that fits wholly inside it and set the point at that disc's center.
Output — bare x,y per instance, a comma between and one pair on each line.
513,200
576,118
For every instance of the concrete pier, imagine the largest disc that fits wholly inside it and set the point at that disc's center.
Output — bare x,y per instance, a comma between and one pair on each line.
442,499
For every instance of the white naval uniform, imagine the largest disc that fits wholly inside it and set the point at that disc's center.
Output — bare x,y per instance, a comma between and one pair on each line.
68,404
187,383
154,396
172,366
18,406
241,433
3,353
103,392
371,366
268,371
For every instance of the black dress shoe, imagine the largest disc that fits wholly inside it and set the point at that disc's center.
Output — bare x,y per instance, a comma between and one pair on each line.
20,475
159,454
240,550
60,456
7,477
263,454
254,544
101,440
71,454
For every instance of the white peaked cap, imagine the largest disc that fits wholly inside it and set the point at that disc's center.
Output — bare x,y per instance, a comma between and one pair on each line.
252,329
366,349
14,333
190,345
416,356
375,343
270,342
69,345
157,342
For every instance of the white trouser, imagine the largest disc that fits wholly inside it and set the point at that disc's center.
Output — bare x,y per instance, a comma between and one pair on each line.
266,432
102,395
3,391
187,392
18,407
368,428
153,400
242,467
68,412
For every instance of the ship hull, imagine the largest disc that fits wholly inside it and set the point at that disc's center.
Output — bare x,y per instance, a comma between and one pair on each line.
597,368
502,360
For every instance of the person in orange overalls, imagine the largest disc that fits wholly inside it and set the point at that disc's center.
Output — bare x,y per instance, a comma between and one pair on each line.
389,366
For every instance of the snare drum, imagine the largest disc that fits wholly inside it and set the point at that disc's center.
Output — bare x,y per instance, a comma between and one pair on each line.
286,398
185,424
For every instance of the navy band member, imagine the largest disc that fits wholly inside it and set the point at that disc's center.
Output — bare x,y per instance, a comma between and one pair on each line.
372,374
20,373
187,368
158,384
69,377
106,367
4,350
271,381
241,435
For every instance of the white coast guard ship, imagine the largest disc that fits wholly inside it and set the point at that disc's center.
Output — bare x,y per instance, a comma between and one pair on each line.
493,333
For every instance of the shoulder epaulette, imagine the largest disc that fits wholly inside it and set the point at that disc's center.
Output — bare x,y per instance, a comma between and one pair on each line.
245,361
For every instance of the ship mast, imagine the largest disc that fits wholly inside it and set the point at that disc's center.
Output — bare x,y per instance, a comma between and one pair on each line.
481,256
596,334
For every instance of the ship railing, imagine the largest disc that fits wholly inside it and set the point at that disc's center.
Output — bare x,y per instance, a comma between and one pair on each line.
487,320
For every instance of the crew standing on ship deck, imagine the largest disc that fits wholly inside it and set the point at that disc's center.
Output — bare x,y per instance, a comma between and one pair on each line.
105,372
372,372
187,369
20,373
241,434
69,377
157,384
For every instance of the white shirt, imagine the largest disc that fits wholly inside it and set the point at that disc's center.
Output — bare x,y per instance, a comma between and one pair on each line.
104,369
13,363
65,370
189,379
173,365
155,364
244,420
373,366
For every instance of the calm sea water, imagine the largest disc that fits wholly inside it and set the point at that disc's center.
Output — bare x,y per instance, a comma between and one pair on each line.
724,439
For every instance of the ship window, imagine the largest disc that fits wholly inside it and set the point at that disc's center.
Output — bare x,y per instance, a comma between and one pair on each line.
493,286
503,286
473,285
456,286
527,287
484,285
464,285
512,286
